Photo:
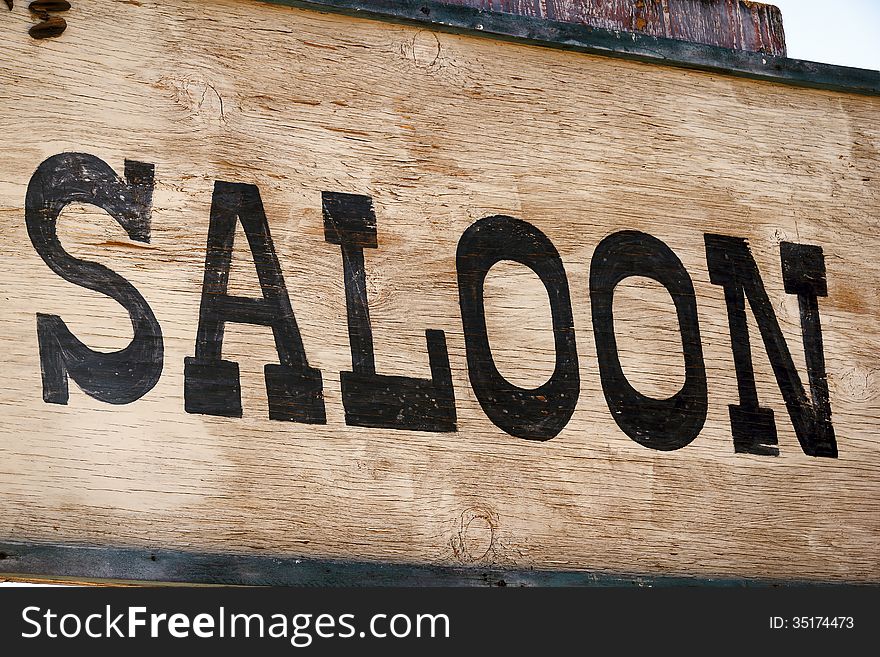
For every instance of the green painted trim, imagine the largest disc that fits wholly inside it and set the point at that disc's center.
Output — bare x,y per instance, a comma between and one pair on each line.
171,566
599,41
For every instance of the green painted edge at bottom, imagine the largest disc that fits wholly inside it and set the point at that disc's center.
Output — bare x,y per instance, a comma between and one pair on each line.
32,560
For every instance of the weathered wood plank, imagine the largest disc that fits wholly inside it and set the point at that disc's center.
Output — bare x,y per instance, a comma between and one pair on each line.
441,131
736,24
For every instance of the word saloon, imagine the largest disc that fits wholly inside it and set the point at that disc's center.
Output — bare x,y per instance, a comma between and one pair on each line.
295,388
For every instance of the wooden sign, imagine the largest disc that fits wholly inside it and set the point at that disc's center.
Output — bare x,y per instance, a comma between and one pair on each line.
313,286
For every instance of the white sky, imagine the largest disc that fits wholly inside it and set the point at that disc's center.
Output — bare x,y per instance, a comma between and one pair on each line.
843,32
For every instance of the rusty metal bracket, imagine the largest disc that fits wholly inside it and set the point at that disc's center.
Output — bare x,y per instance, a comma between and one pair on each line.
49,25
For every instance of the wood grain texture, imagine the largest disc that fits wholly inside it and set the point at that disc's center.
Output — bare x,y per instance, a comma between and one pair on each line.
440,130
737,24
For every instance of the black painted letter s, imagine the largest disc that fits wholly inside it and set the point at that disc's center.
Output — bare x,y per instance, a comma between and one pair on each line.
119,377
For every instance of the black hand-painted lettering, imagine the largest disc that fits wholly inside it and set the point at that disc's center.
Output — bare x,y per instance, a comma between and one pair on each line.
212,385
118,377
371,399
661,424
541,413
732,266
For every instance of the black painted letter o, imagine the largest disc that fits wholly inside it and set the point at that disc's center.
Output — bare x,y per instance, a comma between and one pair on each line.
661,424
538,414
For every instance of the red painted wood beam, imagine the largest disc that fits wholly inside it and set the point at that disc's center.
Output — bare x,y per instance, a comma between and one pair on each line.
736,24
